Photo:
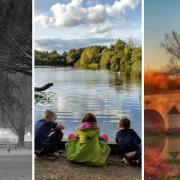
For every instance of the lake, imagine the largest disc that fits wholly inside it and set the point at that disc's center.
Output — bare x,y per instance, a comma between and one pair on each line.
168,147
107,94
164,150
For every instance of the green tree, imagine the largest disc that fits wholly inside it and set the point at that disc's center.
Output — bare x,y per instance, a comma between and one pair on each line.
89,55
119,45
120,56
106,59
116,61
136,59
53,56
126,58
73,56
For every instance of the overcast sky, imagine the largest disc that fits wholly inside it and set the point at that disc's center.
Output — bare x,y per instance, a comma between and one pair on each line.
66,24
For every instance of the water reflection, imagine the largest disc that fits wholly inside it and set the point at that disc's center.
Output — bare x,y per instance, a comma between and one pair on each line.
108,95
167,147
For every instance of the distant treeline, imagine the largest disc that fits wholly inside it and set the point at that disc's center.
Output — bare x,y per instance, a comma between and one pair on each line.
121,56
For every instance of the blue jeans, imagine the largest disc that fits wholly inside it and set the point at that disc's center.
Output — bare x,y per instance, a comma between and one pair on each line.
53,144
139,151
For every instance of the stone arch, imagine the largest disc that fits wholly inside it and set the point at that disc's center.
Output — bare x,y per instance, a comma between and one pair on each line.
153,121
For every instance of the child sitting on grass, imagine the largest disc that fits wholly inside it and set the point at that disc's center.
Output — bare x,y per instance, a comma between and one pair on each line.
88,146
129,142
47,141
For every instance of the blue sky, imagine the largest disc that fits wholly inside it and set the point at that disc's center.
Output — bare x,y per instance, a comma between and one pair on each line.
86,20
161,17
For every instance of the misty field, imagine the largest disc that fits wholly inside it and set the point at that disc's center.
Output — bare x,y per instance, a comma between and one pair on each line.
16,165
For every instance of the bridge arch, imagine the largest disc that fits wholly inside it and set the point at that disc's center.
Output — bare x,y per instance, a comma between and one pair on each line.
153,121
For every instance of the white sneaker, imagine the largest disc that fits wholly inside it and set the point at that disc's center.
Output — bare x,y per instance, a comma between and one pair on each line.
125,161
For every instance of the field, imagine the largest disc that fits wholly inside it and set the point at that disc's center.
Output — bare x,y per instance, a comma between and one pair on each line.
16,165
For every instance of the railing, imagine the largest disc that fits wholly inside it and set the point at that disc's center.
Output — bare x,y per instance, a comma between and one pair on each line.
8,146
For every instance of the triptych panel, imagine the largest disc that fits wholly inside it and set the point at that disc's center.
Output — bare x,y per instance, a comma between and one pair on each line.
89,89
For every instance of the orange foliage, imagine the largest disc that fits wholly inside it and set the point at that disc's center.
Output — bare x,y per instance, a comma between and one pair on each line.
155,168
155,81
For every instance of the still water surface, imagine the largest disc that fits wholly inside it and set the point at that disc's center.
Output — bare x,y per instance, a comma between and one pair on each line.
166,147
108,95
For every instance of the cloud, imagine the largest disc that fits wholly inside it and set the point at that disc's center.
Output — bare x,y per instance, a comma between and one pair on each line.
101,28
64,45
42,20
122,5
74,14
76,3
96,14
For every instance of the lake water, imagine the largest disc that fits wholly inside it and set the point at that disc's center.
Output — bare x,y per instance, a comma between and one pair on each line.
167,149
106,94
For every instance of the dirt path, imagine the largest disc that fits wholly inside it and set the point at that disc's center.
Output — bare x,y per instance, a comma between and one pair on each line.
61,169
16,165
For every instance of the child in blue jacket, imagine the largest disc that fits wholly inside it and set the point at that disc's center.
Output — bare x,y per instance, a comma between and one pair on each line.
48,134
129,142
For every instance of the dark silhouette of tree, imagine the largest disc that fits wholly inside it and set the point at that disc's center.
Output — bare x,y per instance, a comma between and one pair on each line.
16,107
16,66
172,45
16,36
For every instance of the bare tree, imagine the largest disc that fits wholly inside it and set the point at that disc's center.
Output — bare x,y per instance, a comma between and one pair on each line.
16,36
16,107
172,45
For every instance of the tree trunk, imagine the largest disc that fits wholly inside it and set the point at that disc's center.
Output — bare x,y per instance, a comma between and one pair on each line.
21,135
43,88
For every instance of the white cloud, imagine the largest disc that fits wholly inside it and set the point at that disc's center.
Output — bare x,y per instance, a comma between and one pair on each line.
96,14
73,14
42,20
101,28
76,3
67,15
120,6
